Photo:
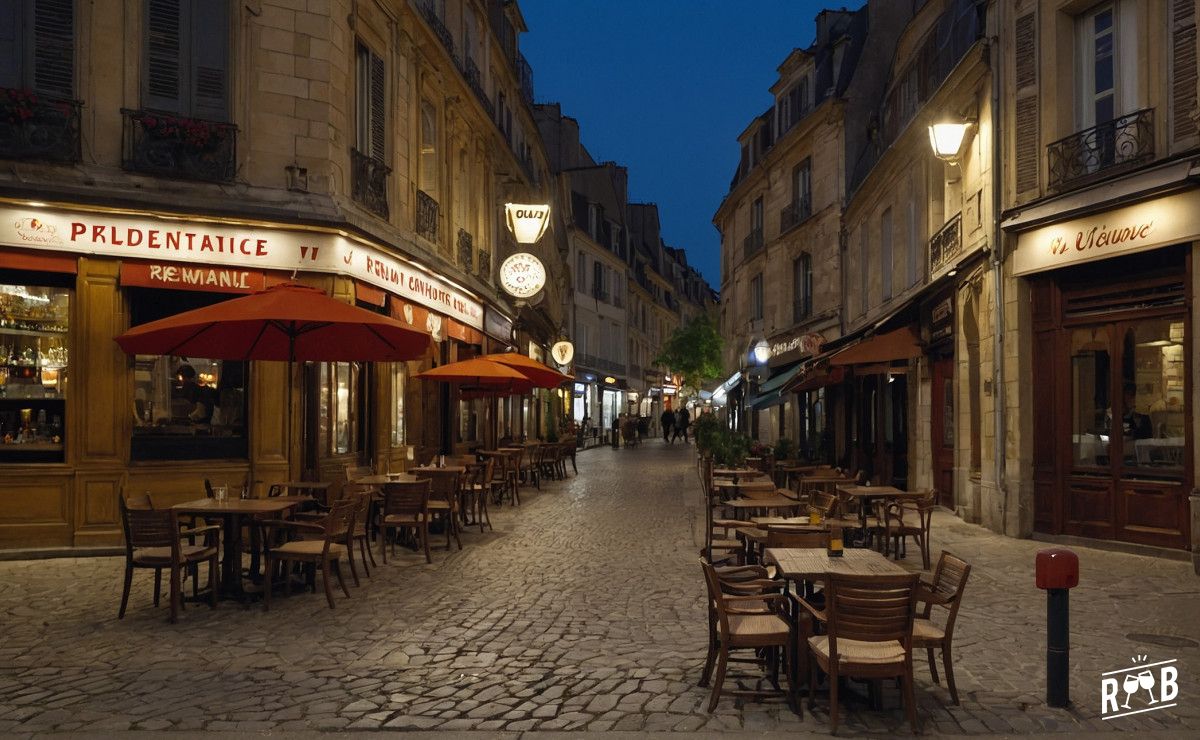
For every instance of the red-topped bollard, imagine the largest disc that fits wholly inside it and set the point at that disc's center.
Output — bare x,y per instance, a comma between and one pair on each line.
1057,571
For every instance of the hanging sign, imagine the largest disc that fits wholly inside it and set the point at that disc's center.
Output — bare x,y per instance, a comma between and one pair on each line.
563,352
522,275
527,222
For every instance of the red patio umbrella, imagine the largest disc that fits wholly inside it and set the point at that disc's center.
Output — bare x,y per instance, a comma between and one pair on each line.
285,322
541,375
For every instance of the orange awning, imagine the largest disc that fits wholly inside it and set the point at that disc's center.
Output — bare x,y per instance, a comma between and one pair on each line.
816,379
901,344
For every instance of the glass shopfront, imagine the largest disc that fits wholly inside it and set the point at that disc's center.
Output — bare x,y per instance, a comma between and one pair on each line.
34,363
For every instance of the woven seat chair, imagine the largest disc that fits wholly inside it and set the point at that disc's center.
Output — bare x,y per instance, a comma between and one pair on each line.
445,490
478,490
868,634
324,554
949,582
909,518
361,535
742,579
750,615
154,540
405,505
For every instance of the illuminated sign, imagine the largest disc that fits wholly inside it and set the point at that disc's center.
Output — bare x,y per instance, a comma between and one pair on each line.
563,352
527,222
522,275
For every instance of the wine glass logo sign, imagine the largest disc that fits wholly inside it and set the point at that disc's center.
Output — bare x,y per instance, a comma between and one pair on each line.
522,275
1163,675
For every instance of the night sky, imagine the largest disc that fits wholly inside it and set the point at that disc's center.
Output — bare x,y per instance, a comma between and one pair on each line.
664,87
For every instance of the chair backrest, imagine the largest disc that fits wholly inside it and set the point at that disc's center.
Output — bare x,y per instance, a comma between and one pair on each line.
783,536
823,502
757,489
443,484
480,473
949,582
460,460
406,499
871,608
354,472
339,522
146,526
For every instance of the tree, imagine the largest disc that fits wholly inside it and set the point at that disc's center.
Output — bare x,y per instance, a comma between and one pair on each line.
694,352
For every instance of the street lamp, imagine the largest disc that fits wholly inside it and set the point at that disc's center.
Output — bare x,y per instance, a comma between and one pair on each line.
761,351
946,138
527,222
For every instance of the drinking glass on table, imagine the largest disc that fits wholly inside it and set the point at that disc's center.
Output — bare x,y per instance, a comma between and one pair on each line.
221,493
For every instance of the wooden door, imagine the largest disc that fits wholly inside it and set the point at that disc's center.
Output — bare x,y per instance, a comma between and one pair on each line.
942,427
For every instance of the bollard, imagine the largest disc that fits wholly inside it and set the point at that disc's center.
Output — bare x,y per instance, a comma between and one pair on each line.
1057,570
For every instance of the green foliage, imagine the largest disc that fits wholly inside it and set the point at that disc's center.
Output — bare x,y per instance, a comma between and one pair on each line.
707,431
784,448
694,352
713,438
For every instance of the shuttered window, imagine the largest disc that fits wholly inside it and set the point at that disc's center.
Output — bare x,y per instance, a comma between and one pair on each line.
372,111
1028,164
186,58
1183,71
37,46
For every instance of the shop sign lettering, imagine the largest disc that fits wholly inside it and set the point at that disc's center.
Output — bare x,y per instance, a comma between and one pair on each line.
1135,228
219,251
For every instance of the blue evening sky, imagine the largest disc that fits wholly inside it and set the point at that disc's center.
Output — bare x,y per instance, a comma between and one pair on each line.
664,87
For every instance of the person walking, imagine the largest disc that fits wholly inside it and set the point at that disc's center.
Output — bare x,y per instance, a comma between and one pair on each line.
668,422
682,422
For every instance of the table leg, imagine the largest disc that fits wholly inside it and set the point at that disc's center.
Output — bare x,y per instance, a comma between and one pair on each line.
231,567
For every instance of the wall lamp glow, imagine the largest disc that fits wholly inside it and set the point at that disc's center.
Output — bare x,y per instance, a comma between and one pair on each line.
947,137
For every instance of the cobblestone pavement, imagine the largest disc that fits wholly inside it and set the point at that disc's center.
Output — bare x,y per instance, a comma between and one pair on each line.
583,611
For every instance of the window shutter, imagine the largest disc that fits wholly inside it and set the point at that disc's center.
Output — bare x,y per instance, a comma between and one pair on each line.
54,47
209,58
163,72
10,43
1183,71
378,109
1028,163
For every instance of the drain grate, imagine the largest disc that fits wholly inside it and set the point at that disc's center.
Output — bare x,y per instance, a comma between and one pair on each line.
1172,641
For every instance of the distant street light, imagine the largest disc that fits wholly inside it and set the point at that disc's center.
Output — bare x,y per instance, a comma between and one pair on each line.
946,138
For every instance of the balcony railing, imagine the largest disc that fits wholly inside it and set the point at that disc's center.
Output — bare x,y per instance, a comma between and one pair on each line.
599,363
33,126
946,245
190,148
466,250
1122,143
471,74
437,25
485,264
753,242
427,216
801,308
368,183
600,294
795,212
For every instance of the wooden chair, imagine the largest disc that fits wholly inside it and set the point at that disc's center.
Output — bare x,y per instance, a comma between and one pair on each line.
569,451
949,582
826,503
868,634
736,579
362,496
324,554
405,505
516,459
531,464
444,491
783,536
354,472
478,491
153,539
749,621
903,519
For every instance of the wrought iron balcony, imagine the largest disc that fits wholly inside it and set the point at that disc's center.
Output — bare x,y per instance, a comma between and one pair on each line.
427,216
466,250
484,265
753,242
368,182
437,25
471,74
34,126
946,245
1122,143
795,212
189,148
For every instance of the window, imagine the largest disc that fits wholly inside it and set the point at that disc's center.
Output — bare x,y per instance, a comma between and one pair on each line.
914,245
37,46
886,265
186,58
371,111
1097,66
756,297
185,408
34,363
864,270
468,419
616,239
783,112
338,425
594,221
802,287
597,279
429,144
399,387
802,189
581,276
756,215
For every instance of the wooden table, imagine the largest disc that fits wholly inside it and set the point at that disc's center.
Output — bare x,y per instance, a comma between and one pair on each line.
737,474
814,563
867,494
317,490
773,502
460,469
379,480
232,512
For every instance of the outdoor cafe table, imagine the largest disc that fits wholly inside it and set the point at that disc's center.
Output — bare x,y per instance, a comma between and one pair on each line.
232,512
815,564
867,494
318,490
460,469
380,479
737,474
766,504
757,536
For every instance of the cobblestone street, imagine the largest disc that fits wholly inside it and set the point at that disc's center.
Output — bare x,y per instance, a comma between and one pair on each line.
584,610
